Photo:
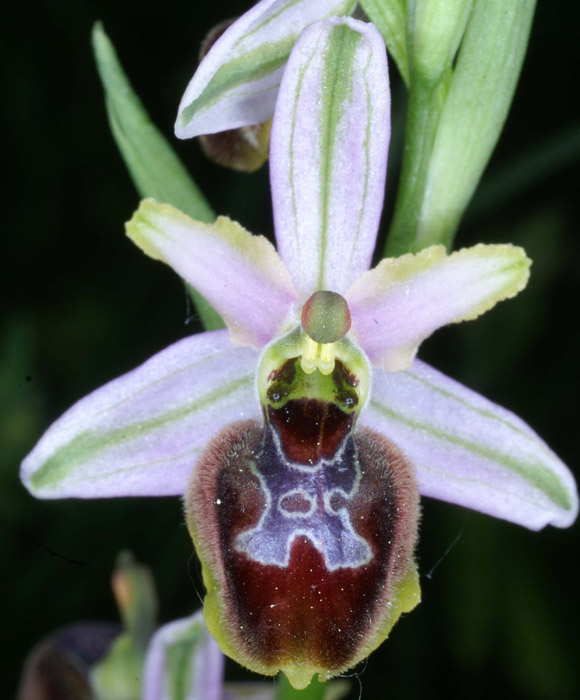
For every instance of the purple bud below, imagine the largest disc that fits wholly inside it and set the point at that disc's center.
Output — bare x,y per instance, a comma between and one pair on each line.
58,668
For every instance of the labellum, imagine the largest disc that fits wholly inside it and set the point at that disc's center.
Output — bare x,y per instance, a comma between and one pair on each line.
305,527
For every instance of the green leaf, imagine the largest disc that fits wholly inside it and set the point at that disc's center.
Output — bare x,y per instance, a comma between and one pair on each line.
470,123
453,124
536,165
154,167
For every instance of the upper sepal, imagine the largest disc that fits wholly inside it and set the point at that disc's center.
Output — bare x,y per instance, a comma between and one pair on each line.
237,82
328,154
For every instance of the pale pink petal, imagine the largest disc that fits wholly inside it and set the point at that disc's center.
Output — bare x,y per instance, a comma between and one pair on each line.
240,275
470,451
141,434
399,303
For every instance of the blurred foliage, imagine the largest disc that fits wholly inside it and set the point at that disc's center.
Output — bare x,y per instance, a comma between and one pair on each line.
500,614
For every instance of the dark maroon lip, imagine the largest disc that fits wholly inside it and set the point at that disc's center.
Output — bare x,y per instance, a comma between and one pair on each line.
310,430
307,556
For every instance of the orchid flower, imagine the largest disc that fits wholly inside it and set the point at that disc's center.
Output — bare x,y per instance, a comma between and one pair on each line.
301,436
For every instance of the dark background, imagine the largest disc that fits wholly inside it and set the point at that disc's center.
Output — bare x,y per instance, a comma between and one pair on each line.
500,613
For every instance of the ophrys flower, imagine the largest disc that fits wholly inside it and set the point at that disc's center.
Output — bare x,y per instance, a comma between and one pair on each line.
303,504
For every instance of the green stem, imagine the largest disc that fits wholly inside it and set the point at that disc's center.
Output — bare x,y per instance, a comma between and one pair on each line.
425,102
284,691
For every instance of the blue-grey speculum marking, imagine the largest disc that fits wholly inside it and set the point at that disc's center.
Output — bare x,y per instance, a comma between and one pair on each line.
308,501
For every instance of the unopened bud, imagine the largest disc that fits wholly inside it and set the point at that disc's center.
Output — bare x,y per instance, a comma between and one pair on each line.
244,149
59,667
437,31
134,591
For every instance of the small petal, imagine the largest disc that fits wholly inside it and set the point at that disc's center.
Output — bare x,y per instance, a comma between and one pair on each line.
140,434
237,83
328,154
469,451
400,302
183,663
240,275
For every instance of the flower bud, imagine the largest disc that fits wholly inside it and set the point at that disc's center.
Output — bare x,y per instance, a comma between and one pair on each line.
134,591
59,667
244,149
485,76
438,27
